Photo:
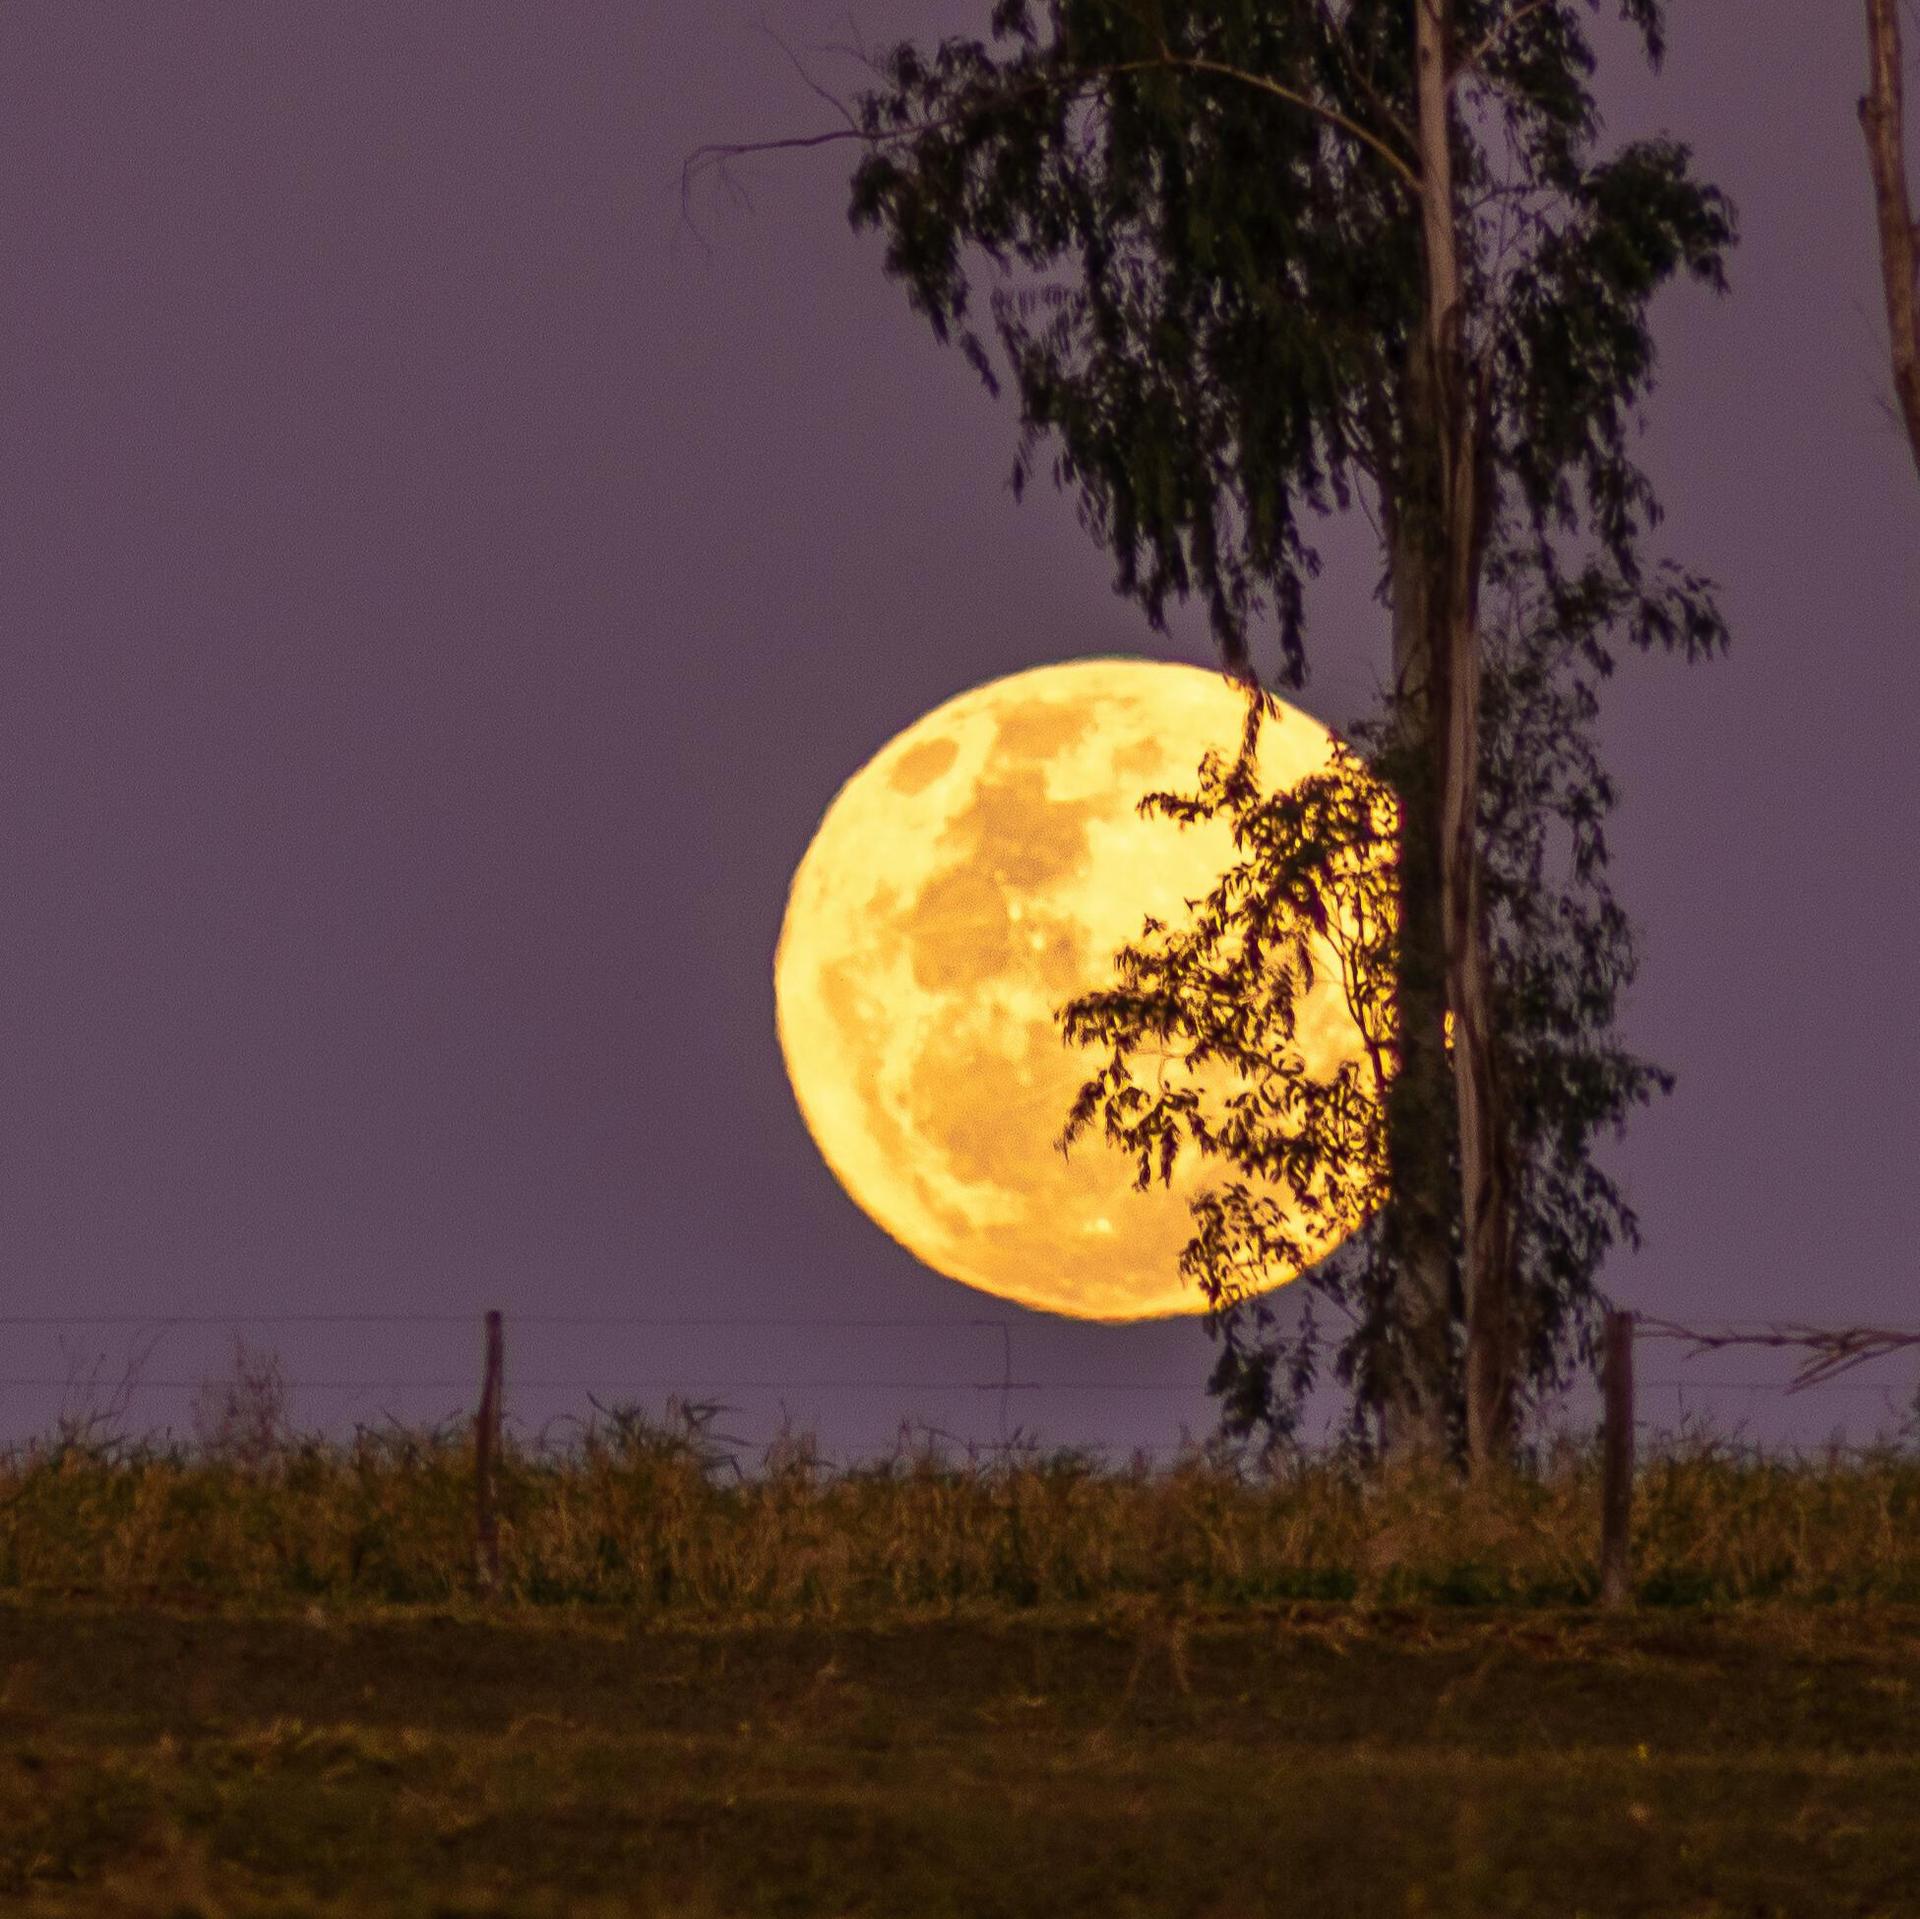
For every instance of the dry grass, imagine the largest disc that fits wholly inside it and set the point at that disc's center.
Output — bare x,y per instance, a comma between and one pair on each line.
646,1518
252,1676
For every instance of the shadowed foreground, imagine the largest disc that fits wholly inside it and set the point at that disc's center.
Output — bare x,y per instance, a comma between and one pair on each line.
1113,1760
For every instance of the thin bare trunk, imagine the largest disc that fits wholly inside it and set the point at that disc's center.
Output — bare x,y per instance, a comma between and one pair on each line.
1413,1412
1454,429
1881,118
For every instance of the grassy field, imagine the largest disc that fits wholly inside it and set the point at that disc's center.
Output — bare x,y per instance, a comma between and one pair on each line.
241,1686
1252,1761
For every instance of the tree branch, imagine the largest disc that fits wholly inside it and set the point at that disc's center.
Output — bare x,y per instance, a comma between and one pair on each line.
1364,81
1471,60
719,152
812,85
1330,114
1881,120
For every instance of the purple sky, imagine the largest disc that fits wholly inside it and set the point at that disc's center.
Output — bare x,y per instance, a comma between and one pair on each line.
439,600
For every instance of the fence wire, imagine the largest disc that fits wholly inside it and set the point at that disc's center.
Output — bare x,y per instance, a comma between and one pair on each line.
1831,1352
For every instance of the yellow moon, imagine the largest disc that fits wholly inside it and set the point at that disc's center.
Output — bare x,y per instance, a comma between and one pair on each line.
979,871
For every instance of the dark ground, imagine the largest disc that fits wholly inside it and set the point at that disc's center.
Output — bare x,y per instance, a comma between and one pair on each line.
1313,1759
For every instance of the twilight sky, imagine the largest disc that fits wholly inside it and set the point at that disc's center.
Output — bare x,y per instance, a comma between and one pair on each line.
439,598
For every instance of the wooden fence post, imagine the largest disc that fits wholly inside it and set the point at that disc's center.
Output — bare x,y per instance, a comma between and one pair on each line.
486,1448
1616,1489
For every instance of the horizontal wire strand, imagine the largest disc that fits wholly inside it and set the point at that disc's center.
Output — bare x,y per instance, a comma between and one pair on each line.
733,1321
864,1385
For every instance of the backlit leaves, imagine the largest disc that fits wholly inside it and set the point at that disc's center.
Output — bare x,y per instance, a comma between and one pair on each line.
1224,986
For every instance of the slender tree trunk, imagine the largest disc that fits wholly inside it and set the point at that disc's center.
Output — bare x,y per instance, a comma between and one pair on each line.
1413,1407
1456,500
1881,119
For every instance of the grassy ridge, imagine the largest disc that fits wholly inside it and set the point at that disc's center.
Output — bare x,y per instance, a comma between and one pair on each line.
640,1518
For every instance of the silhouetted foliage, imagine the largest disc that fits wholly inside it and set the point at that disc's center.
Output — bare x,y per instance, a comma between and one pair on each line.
1245,277
1205,218
1315,871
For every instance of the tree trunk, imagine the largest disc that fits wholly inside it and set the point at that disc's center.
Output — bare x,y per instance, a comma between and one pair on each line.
1450,430
1881,120
1413,1407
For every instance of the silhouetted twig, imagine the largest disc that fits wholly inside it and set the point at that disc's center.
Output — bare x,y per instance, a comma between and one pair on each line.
1835,1352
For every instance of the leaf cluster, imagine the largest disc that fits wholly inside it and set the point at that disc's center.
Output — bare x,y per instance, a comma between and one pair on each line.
1313,888
1316,871
1208,273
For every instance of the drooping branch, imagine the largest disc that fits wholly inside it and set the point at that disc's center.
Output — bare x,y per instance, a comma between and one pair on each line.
1881,119
1470,61
1362,78
1408,174
1071,81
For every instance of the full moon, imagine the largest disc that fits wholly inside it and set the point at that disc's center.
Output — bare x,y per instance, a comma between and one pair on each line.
975,874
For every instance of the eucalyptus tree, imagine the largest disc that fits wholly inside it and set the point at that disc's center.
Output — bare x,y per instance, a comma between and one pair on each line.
1288,264
1882,119
1316,869
1295,266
